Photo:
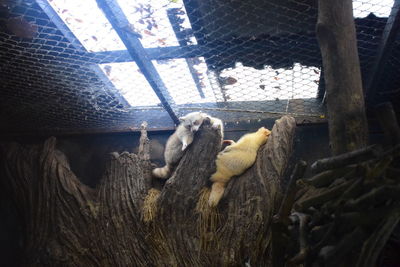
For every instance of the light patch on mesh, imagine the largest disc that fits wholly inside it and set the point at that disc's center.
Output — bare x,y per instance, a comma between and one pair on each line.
151,21
248,84
381,8
131,83
88,23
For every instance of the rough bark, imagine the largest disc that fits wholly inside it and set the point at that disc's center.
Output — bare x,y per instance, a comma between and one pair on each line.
66,223
345,101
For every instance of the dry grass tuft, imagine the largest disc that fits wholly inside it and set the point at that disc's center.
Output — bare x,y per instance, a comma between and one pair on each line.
208,220
149,210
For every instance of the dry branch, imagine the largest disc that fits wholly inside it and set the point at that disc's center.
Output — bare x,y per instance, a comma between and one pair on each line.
144,143
373,246
323,197
327,177
333,256
281,219
342,160
354,203
303,239
290,193
351,211
375,197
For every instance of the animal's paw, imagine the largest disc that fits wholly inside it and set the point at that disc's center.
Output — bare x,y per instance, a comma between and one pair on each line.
184,146
216,123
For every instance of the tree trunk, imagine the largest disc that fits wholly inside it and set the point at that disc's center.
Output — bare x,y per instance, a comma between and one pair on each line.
125,222
345,100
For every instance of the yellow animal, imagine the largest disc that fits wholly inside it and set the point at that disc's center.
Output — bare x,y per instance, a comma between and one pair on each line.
234,160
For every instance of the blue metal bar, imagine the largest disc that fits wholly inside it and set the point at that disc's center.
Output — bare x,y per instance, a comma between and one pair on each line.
388,37
123,28
182,40
120,56
156,53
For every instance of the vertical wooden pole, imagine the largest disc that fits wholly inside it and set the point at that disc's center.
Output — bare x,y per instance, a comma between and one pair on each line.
345,101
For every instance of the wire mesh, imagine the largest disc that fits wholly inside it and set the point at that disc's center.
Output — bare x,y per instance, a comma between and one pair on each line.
64,67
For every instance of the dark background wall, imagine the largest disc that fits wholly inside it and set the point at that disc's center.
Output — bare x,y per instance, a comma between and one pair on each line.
87,154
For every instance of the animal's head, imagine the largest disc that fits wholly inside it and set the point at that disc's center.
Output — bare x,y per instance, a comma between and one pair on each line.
193,120
264,133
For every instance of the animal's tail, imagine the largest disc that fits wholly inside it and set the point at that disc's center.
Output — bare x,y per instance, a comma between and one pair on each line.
163,172
217,191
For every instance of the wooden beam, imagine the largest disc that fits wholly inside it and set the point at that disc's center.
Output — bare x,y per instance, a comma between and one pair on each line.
388,37
345,100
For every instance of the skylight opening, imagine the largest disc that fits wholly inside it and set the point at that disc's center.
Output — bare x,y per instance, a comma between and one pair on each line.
381,8
88,23
151,21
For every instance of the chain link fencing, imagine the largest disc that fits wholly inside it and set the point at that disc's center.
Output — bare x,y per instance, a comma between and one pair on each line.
66,67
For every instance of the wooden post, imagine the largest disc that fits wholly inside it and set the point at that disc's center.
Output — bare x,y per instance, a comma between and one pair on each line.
345,101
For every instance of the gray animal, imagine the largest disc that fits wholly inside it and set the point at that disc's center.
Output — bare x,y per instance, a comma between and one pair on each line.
181,139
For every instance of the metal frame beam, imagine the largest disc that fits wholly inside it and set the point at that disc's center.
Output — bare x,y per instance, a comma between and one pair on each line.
388,37
121,25
156,53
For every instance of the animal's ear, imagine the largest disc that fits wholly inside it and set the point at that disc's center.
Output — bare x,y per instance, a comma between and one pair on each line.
181,119
207,116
